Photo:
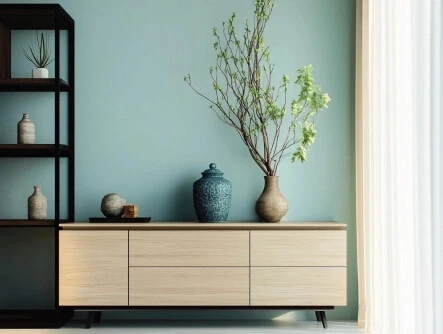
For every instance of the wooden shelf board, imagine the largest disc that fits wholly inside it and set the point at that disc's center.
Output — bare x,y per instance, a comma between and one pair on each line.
206,226
34,16
31,85
28,223
32,150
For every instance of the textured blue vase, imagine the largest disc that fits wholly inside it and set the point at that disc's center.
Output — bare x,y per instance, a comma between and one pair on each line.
212,196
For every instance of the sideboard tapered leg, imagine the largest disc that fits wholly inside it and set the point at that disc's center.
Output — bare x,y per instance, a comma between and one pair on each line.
317,315
323,319
97,317
91,316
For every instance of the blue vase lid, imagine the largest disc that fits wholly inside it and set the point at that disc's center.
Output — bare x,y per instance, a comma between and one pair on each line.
212,171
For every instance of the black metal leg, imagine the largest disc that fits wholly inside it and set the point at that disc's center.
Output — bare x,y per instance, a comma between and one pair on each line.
97,317
317,315
91,317
323,319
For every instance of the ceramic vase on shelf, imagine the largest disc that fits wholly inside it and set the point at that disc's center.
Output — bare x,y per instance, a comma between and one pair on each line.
40,73
37,205
212,196
26,131
271,206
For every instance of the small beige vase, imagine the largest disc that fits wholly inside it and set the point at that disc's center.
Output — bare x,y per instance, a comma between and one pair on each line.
37,205
271,206
26,131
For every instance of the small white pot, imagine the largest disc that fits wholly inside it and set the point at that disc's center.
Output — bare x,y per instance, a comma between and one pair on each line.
40,73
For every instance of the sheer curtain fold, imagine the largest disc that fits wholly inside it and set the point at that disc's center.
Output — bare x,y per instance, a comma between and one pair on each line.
398,167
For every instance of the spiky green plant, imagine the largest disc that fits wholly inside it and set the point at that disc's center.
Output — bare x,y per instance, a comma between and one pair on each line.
246,99
41,57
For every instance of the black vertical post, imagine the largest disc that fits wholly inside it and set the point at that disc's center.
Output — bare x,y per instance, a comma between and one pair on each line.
71,124
57,149
5,51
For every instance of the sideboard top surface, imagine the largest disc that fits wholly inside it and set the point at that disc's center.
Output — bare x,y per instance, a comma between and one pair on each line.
206,226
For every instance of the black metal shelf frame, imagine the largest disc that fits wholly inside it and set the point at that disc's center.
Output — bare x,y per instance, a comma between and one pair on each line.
48,17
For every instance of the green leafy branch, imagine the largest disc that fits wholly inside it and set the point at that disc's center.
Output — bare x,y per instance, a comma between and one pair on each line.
246,100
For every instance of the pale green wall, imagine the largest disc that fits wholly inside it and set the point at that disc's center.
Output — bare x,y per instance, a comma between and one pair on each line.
142,132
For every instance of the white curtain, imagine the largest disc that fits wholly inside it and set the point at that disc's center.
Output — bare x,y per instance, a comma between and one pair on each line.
399,165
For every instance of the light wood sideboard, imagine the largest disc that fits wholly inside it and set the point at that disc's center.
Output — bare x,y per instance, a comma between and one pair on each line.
202,265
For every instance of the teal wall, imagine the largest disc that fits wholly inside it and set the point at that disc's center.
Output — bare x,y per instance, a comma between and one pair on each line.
142,132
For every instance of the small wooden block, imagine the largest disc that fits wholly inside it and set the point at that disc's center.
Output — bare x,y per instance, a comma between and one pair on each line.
130,211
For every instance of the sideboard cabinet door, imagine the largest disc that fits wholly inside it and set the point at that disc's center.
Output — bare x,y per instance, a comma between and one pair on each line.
93,268
301,268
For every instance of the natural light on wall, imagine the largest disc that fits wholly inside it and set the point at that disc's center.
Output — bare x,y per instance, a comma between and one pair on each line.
399,170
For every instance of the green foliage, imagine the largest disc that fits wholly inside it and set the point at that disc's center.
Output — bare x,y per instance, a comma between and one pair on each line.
40,57
246,98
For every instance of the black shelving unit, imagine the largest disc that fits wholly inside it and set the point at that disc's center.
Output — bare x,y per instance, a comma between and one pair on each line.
41,17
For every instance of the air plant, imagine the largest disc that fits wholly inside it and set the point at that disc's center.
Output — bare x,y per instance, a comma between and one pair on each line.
40,57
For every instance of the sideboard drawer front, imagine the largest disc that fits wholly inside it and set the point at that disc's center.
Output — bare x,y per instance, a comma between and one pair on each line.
187,286
93,268
299,286
298,248
188,248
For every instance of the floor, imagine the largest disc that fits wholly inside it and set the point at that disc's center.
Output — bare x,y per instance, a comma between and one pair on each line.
206,327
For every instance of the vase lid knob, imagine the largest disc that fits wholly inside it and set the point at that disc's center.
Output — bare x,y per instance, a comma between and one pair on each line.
212,171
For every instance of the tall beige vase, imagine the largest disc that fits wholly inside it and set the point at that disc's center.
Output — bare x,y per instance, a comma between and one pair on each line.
271,206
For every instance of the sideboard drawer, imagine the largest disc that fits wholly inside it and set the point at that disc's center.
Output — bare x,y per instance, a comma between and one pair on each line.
189,248
187,286
302,286
298,248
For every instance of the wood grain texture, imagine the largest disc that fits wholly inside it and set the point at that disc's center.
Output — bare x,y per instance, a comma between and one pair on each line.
189,248
93,268
298,286
298,248
188,286
206,226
